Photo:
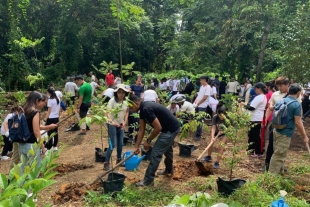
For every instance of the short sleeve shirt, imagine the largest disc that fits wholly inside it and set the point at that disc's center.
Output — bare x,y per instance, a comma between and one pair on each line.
218,123
86,92
120,112
259,103
149,111
294,109
187,107
204,90
55,108
137,89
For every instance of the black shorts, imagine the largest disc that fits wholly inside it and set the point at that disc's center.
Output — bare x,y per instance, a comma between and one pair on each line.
84,109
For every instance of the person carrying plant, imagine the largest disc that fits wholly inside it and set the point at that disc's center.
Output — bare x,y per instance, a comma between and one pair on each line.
218,120
282,137
166,126
84,101
118,115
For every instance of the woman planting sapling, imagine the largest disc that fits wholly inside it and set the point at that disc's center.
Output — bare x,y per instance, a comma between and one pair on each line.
118,116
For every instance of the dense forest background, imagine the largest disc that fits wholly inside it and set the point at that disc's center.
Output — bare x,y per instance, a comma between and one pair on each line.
57,38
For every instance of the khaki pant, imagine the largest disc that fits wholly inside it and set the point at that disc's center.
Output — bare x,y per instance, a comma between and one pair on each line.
281,143
15,157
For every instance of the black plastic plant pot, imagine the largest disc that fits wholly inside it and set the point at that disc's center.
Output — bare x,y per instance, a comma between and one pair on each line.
186,150
226,188
114,183
100,155
148,154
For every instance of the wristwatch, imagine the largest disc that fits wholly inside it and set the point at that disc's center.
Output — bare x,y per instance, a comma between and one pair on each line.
149,141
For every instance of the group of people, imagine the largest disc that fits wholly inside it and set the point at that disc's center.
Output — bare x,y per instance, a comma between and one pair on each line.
164,120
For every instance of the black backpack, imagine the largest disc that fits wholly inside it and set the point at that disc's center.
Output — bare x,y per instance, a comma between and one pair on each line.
18,128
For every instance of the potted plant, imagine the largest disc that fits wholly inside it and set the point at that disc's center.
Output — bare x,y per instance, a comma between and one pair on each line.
236,130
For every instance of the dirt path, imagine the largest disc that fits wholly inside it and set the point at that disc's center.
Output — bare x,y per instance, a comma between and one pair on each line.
77,165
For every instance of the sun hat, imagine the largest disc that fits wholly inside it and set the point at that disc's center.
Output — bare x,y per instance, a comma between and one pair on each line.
178,99
121,86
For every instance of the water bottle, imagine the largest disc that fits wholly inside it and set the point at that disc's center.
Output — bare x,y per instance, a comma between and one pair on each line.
280,202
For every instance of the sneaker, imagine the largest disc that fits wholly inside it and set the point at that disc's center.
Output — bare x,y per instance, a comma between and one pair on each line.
4,158
207,159
106,166
165,172
144,183
55,149
216,165
82,133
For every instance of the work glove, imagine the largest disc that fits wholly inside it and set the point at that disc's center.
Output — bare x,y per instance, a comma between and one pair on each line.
7,134
195,105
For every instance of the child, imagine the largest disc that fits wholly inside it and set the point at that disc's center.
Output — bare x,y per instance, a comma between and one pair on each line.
218,121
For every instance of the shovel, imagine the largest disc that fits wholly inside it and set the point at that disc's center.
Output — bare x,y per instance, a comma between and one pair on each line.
112,169
198,163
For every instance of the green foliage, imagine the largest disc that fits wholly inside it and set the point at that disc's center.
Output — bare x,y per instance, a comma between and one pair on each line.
34,79
237,127
20,97
14,193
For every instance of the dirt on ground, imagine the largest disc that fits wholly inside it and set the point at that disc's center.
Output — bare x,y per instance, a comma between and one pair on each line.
77,166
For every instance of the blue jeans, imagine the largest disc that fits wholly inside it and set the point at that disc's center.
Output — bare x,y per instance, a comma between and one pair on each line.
199,127
162,146
23,150
116,134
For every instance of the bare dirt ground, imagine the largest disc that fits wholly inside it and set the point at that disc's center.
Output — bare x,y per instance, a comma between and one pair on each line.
77,166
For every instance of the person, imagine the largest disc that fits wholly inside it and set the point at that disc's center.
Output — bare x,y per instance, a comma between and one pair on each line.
150,95
257,109
34,103
166,126
162,85
201,102
282,84
185,106
217,83
282,137
173,108
176,86
222,87
137,89
117,80
94,85
247,88
109,79
8,145
189,87
107,94
232,86
84,102
92,77
52,117
117,122
71,89
218,120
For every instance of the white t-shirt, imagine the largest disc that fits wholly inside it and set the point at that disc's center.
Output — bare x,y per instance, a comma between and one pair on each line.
176,85
93,87
109,92
162,86
93,78
55,108
259,103
213,103
213,91
118,80
58,94
9,116
187,107
123,107
71,88
149,95
231,87
204,90
174,110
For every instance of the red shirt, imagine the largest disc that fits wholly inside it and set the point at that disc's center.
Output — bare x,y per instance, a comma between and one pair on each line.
109,79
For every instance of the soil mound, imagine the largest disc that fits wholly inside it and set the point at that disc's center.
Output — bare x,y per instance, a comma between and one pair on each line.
66,168
187,169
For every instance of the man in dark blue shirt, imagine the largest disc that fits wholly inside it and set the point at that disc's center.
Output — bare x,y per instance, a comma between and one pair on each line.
166,126
137,88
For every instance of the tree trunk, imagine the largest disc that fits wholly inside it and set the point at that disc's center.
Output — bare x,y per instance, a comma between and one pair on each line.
119,41
261,54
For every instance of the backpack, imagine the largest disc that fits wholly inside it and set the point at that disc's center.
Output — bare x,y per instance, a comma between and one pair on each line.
18,128
279,116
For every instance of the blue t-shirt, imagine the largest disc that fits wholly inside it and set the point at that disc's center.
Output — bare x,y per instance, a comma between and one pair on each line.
294,109
137,89
252,94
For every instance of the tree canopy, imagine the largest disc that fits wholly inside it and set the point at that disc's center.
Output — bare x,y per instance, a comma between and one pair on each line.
239,38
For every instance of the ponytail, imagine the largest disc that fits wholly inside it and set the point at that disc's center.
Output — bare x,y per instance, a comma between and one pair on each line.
51,91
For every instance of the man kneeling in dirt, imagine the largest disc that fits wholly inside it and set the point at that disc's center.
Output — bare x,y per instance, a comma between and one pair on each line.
164,124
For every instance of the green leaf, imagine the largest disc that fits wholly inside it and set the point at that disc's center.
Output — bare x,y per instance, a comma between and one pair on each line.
43,185
3,181
183,200
13,192
5,203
